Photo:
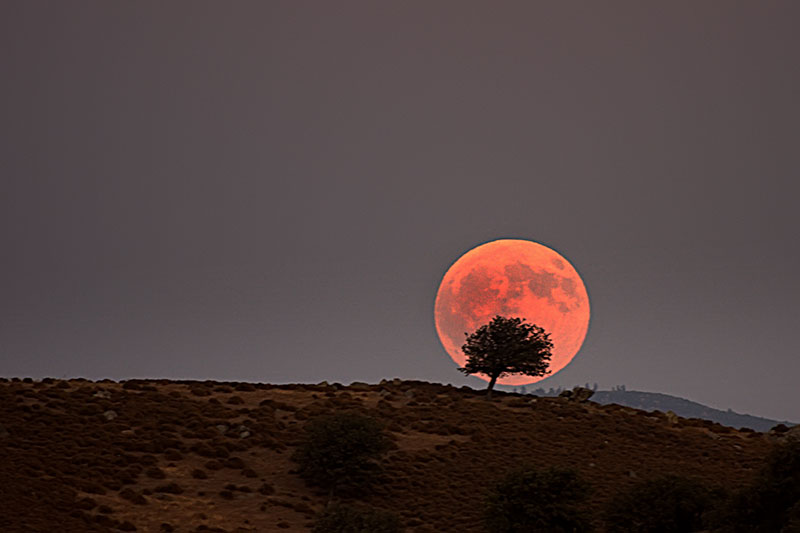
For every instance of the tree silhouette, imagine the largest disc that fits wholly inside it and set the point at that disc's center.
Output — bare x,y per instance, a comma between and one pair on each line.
507,346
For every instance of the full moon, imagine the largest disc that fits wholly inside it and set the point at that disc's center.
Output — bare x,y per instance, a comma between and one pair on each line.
513,278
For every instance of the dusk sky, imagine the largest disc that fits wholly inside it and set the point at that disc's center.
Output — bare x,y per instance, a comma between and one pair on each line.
272,191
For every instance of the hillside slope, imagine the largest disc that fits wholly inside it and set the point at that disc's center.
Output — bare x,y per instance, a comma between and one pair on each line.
653,401
191,456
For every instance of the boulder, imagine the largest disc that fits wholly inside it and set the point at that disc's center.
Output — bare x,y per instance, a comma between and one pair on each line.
672,418
110,415
581,394
577,394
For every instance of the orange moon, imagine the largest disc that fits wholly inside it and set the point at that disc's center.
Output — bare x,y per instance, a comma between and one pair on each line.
513,278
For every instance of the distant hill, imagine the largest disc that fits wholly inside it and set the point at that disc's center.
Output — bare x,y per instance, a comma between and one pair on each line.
654,401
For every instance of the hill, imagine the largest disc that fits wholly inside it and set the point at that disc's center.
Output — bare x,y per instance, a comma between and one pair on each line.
192,456
653,401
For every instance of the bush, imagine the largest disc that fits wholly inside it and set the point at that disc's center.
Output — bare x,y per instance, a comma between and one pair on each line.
340,451
533,501
349,519
772,503
669,504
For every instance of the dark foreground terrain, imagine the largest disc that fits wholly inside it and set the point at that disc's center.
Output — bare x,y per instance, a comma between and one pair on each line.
191,456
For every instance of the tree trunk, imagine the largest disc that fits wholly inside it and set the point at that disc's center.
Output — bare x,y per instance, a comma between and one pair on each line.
490,387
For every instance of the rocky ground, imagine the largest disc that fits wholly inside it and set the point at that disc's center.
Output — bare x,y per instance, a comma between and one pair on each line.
207,456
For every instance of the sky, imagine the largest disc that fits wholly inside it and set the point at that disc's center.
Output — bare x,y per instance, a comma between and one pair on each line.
272,191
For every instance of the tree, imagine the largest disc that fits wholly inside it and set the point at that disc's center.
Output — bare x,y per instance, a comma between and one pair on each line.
507,346
537,501
340,451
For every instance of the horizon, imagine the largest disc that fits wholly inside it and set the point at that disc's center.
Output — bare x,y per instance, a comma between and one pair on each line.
275,192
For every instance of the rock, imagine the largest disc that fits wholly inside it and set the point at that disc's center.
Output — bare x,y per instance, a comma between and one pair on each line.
782,432
410,393
4,432
222,428
103,394
359,386
632,474
581,394
244,434
110,415
672,418
397,382
127,433
577,394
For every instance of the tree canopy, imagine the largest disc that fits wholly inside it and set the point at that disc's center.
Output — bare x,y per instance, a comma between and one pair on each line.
507,346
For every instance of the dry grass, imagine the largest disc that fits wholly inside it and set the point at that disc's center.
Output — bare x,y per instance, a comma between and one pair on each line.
195,456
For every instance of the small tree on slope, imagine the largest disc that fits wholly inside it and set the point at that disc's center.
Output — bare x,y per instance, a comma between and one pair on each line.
507,346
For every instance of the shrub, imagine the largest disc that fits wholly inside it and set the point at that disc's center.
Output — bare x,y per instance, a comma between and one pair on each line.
537,501
668,504
772,502
339,451
349,519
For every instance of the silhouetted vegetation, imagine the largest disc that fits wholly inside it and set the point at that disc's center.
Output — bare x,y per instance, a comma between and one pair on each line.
772,502
532,501
507,346
668,504
351,519
340,450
